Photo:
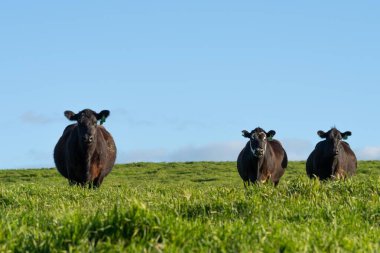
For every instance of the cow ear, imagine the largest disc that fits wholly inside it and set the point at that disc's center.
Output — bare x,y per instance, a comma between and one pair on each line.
246,134
346,134
70,115
321,134
102,116
270,134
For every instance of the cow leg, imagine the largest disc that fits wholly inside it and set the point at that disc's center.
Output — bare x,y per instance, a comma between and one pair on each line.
97,182
75,183
93,184
100,180
72,182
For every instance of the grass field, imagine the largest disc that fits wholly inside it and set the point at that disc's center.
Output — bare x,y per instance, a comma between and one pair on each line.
189,207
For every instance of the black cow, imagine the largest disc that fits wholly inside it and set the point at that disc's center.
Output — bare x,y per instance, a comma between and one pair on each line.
262,158
331,158
86,152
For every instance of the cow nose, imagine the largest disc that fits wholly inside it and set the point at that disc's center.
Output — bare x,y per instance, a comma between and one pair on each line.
88,138
259,151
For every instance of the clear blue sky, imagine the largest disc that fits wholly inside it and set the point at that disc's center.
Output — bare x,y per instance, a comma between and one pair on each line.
182,79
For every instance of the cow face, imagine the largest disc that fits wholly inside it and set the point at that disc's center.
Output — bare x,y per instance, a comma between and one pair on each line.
258,139
87,123
334,139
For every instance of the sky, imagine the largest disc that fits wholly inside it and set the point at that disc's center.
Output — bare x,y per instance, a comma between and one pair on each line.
182,79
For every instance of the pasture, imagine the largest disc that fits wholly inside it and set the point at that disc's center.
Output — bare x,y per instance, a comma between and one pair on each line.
189,207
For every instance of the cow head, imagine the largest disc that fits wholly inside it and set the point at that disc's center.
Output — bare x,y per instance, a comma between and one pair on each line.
87,123
334,139
258,139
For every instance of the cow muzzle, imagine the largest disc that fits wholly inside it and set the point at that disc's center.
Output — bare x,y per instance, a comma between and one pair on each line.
259,152
335,151
88,139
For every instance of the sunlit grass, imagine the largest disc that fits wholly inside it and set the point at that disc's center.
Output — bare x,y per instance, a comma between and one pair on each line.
189,207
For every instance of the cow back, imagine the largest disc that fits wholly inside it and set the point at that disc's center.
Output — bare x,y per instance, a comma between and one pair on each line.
60,150
105,154
349,161
276,160
245,164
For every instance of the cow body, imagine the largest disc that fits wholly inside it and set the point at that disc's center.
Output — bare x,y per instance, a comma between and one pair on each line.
86,152
262,158
331,158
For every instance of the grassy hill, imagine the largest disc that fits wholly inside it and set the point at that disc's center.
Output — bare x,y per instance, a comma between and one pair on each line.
189,207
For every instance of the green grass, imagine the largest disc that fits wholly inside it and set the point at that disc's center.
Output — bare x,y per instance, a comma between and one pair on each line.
189,207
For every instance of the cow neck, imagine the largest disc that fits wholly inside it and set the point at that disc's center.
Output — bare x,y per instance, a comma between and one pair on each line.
335,164
93,149
257,161
330,160
87,151
88,155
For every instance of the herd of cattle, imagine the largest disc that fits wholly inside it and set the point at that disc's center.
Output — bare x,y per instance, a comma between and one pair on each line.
263,158
86,153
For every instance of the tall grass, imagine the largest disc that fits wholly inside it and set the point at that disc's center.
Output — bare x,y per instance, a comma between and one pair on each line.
189,207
